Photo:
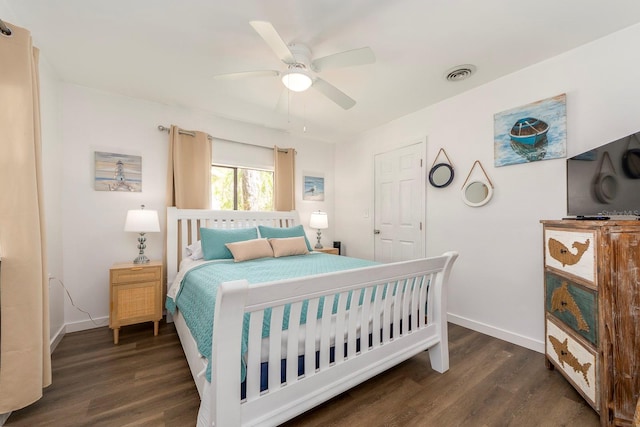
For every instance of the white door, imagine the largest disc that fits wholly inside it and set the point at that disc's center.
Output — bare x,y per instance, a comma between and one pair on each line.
399,204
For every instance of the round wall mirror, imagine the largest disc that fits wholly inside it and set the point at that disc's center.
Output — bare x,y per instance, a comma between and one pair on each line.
441,175
606,187
477,193
631,163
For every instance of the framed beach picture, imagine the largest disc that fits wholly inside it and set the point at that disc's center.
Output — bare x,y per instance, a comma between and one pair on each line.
117,172
313,188
532,132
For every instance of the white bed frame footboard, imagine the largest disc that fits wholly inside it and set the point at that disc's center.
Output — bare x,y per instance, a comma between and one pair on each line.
383,324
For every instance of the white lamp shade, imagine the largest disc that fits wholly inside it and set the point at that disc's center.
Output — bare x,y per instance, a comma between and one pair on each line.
319,220
296,80
142,221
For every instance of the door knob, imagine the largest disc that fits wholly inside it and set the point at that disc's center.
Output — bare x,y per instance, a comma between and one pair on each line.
376,231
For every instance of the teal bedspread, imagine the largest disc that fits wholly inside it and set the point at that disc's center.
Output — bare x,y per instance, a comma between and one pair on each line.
196,298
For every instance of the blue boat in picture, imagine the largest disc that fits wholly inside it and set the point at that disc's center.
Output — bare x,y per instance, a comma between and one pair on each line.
529,131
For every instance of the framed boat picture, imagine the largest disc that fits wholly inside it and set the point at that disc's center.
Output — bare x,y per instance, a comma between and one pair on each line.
532,132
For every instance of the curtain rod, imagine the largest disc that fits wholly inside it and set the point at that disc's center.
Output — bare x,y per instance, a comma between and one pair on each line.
183,132
4,29
186,132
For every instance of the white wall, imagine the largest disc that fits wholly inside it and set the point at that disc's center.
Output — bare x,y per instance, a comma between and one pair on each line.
94,220
497,283
52,161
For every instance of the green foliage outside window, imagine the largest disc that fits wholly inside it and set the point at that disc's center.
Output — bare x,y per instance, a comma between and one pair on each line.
241,189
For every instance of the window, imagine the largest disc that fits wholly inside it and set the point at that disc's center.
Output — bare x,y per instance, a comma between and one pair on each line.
242,189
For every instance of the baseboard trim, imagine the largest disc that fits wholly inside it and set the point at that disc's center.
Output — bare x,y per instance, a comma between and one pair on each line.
4,418
503,334
53,343
83,325
521,340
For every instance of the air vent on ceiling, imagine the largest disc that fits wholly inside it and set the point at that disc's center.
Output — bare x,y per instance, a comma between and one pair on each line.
460,72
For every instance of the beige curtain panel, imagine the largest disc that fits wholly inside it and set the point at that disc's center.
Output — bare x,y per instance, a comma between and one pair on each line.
25,362
284,191
189,175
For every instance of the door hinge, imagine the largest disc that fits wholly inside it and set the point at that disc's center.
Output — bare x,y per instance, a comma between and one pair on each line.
420,162
420,225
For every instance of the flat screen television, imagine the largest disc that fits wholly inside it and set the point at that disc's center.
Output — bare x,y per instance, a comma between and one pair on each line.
605,181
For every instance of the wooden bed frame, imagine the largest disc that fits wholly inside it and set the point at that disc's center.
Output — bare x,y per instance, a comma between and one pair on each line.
407,287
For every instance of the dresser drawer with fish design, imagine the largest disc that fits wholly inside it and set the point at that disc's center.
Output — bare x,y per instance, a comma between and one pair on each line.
572,252
578,362
574,305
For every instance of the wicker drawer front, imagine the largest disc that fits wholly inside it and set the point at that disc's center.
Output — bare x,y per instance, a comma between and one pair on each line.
575,305
571,251
136,275
577,362
134,303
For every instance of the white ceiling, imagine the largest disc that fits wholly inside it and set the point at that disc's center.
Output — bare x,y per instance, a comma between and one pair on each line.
168,50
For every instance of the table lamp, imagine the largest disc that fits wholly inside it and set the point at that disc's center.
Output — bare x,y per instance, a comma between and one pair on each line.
319,221
142,221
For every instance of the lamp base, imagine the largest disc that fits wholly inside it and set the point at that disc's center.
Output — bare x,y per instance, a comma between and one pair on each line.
318,245
141,259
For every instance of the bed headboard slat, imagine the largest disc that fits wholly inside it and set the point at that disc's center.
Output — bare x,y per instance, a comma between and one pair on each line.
183,228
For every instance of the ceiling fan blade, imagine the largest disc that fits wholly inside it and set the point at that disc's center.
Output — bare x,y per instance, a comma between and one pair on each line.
333,93
347,58
246,74
273,39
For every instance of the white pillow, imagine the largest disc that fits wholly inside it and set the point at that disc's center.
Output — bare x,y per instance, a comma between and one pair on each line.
194,251
250,249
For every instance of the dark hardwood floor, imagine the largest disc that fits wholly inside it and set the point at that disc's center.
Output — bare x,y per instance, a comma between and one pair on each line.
145,381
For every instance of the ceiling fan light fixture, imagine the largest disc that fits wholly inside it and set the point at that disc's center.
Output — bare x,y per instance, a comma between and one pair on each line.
297,79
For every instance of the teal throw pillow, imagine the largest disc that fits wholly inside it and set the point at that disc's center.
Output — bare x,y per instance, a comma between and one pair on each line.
215,239
279,233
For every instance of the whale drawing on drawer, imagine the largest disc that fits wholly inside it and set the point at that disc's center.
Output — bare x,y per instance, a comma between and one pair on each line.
572,252
562,254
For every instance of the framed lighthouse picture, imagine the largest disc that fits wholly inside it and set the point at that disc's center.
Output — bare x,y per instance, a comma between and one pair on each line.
117,172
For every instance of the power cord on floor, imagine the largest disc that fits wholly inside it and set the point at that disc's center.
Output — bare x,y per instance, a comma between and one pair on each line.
51,277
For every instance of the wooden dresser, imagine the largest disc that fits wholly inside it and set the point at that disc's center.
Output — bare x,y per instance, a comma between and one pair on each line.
592,312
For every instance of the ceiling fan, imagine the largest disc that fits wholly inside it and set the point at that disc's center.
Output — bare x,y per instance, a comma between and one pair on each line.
299,77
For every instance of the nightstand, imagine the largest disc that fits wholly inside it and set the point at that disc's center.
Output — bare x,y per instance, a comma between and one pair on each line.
332,251
136,295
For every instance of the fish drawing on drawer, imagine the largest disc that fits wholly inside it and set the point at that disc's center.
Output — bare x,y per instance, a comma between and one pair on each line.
563,255
561,300
565,356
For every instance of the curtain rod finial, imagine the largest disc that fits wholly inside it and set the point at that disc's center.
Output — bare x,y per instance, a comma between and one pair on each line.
4,29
